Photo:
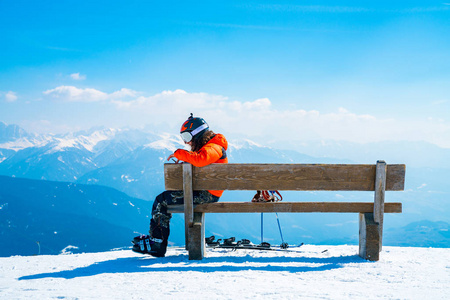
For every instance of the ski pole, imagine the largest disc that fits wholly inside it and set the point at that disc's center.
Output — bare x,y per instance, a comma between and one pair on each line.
262,227
283,244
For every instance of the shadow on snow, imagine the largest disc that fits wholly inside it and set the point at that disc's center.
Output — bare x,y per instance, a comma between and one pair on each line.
207,265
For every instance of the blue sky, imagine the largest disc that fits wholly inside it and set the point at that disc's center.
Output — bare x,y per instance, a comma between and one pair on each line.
357,71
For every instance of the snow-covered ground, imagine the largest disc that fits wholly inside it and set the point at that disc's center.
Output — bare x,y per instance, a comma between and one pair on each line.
311,273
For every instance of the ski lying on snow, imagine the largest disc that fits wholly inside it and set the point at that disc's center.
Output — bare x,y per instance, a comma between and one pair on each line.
231,244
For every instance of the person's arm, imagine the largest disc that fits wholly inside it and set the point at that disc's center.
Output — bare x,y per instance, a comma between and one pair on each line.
207,155
173,156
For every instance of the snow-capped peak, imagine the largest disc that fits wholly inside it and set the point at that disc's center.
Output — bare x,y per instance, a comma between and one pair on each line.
166,142
80,141
26,142
9,133
243,144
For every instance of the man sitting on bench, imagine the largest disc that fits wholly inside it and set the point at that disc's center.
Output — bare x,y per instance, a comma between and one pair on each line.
206,148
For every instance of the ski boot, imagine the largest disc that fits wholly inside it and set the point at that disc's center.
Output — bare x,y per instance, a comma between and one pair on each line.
146,244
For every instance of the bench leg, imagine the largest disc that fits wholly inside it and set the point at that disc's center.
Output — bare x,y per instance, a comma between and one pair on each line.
186,236
197,237
369,237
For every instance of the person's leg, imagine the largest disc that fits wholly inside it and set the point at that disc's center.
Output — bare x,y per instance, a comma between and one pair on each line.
156,243
201,197
160,221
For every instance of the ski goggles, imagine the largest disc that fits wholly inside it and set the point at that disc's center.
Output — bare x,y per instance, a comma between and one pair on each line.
188,136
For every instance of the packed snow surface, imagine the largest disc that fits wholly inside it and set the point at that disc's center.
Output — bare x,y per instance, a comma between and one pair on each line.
313,272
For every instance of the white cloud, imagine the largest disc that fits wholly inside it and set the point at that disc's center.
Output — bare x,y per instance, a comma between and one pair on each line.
74,94
123,93
259,119
10,96
422,186
257,105
77,76
177,103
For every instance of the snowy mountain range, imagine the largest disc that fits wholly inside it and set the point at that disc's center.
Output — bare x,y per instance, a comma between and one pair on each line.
130,161
125,159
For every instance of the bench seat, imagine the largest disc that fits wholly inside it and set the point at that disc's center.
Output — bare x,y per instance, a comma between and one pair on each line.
287,207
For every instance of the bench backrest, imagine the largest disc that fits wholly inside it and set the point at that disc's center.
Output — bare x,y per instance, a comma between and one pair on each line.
298,177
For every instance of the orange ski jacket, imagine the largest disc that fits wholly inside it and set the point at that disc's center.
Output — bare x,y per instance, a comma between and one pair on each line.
212,152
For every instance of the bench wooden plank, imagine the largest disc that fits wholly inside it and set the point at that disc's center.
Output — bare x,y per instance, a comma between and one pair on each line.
292,207
299,177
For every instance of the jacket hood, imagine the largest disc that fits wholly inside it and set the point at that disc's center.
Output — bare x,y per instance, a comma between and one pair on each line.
220,140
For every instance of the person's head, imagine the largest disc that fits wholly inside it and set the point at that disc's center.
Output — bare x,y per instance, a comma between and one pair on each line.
195,132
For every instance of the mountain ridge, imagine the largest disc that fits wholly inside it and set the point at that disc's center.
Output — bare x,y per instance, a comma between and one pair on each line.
58,214
131,162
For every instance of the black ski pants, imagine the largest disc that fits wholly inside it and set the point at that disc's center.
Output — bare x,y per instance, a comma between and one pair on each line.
160,222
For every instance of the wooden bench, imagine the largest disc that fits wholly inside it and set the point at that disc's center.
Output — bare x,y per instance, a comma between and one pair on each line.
297,177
